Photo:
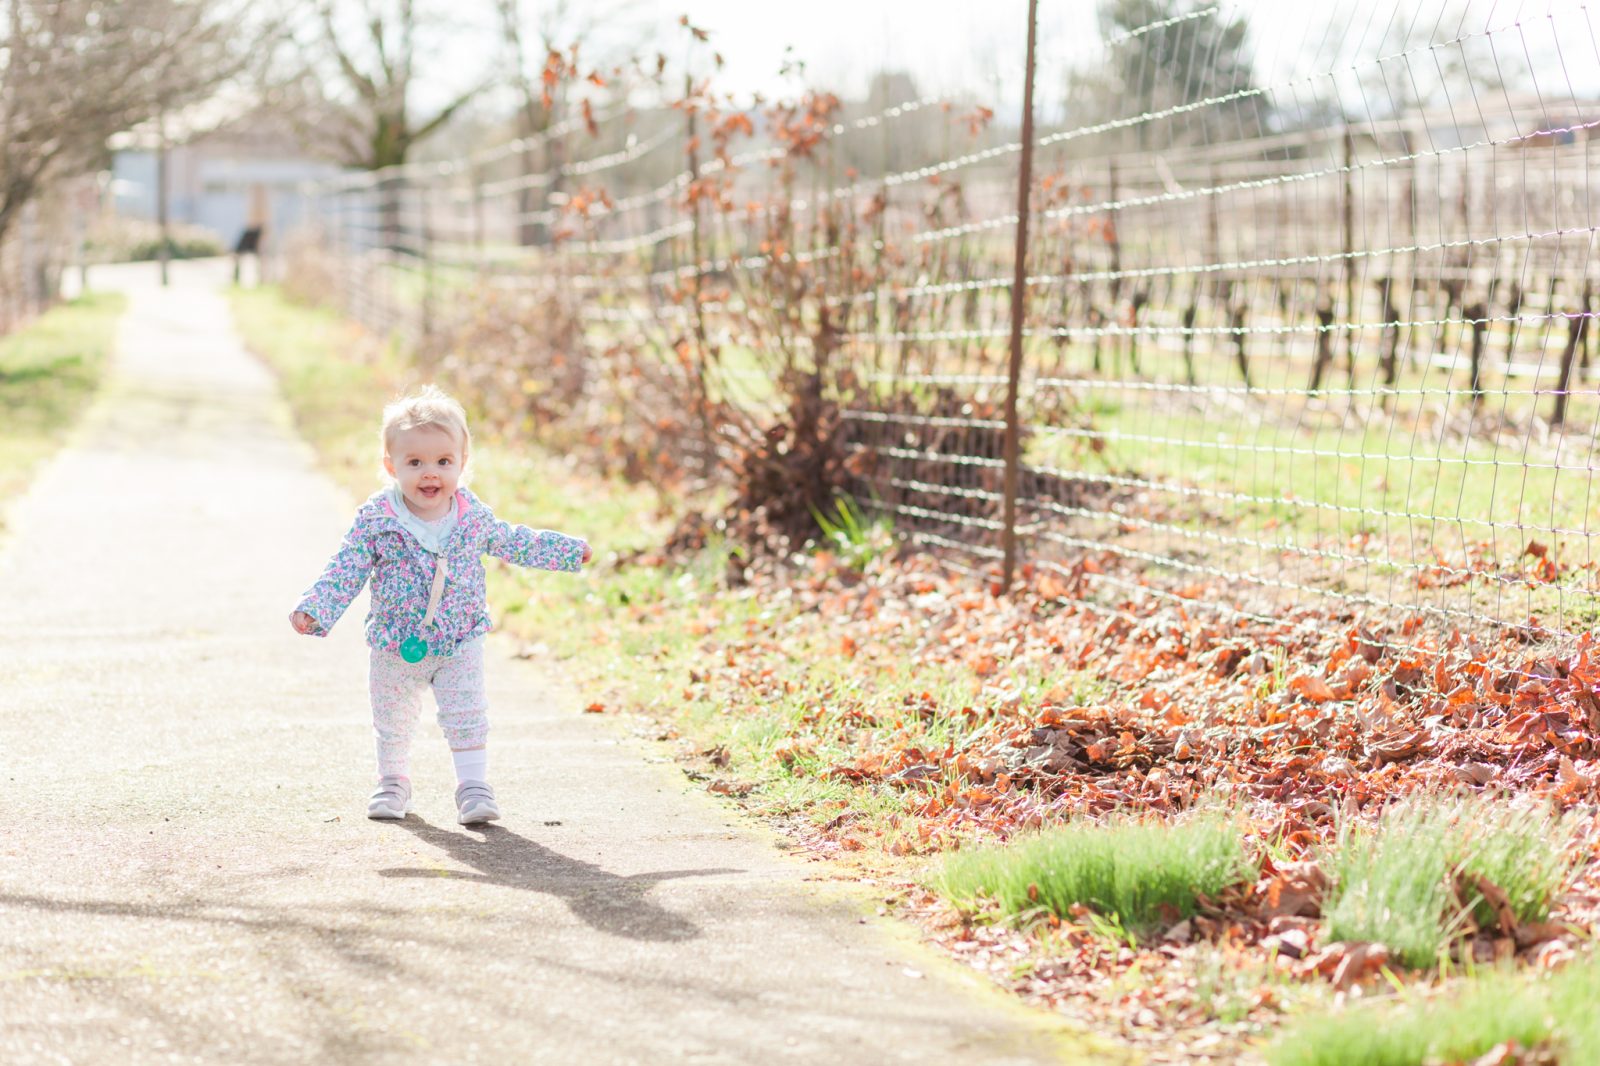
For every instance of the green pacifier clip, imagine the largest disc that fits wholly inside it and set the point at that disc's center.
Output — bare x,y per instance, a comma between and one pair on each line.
414,649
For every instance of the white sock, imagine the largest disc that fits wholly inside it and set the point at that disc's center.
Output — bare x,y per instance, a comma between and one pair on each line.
471,765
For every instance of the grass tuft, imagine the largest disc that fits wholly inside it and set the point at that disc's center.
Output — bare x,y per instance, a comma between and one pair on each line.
1397,883
858,542
1135,873
1390,885
1525,849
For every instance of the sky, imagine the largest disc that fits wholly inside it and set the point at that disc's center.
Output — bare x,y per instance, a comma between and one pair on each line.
977,46
946,44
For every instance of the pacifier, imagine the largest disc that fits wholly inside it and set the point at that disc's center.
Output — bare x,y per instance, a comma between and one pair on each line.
414,649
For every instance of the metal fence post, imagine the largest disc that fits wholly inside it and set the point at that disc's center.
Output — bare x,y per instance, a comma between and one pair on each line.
425,256
1019,300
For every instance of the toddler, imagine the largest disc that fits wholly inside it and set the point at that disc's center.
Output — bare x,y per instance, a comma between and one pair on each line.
422,540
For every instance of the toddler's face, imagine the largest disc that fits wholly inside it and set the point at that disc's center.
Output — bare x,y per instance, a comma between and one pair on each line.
427,463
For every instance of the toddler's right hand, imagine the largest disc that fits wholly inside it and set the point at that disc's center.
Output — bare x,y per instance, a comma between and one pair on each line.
303,623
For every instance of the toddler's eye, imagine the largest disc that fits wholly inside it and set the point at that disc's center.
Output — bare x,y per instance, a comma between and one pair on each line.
415,462
444,462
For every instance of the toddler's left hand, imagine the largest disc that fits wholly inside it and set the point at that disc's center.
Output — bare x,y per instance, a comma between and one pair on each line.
588,553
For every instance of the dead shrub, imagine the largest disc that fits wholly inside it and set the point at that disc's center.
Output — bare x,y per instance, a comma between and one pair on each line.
519,356
784,471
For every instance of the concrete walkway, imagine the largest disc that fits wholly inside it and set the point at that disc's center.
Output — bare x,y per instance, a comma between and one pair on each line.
186,874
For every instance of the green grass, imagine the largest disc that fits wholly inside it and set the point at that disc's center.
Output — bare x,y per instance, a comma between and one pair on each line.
1227,480
1524,849
1338,474
1393,884
1136,873
1262,481
49,370
857,541
1457,1023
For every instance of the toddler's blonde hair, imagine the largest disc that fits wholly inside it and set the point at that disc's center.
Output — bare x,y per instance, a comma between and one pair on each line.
428,406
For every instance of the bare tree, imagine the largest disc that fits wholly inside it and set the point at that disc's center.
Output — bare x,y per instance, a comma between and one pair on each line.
1169,53
353,85
74,72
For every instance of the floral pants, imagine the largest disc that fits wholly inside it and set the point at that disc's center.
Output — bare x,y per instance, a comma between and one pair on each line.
458,691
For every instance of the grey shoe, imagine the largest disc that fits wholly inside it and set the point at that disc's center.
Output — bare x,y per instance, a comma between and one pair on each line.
475,803
391,799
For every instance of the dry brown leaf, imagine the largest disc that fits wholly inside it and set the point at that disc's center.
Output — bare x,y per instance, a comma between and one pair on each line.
1359,962
1311,687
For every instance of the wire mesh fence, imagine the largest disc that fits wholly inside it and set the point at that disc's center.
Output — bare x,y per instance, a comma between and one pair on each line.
1305,317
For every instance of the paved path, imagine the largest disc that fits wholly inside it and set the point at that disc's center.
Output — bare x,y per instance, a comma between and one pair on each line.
185,871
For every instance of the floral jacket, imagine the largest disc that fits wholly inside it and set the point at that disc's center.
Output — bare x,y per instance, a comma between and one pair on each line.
402,570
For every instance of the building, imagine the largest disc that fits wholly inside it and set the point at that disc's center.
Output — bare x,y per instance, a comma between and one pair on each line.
245,173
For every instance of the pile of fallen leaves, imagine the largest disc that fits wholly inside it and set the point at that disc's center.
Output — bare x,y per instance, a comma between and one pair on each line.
1151,703
1317,712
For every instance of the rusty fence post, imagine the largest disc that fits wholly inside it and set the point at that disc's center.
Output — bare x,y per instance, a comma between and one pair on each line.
1019,301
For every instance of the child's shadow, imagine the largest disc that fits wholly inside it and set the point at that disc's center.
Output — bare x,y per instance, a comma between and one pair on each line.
607,902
